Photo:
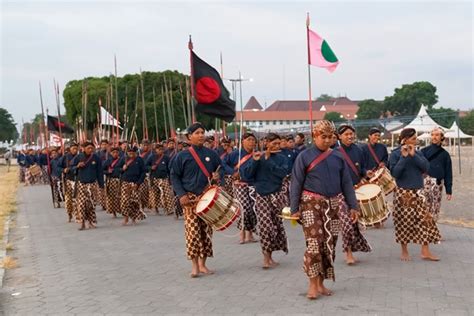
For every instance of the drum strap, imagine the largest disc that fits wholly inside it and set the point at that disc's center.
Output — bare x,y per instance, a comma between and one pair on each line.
374,155
199,162
349,160
318,160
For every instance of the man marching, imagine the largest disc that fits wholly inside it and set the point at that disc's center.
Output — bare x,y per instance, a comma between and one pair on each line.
191,173
88,166
133,175
144,187
69,180
352,238
112,170
56,174
440,173
161,193
321,190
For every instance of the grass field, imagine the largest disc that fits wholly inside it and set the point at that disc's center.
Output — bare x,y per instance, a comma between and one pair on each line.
8,189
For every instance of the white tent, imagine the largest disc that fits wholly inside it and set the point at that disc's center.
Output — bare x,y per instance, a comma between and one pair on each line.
422,123
453,132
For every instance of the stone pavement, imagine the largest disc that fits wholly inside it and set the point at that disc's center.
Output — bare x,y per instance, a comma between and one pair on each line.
119,270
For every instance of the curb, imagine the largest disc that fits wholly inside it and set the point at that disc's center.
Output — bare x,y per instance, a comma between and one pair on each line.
3,252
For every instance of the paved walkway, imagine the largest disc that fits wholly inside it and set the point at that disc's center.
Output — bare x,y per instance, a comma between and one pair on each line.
142,270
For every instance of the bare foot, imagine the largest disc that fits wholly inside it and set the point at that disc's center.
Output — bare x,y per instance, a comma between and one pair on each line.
405,256
312,292
82,228
324,291
205,270
350,261
429,256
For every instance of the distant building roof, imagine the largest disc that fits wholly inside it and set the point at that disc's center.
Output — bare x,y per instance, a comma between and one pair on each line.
333,105
252,104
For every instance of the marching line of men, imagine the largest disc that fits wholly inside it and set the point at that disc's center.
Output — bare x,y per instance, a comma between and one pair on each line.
318,183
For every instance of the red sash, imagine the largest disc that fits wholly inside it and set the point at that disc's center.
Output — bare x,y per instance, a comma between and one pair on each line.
318,160
242,161
88,159
112,165
349,161
199,162
143,154
377,160
130,161
223,155
157,162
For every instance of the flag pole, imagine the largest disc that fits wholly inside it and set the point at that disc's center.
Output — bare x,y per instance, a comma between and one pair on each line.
190,46
116,102
310,101
164,111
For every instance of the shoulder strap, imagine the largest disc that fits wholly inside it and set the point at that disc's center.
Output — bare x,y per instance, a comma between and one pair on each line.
199,162
318,160
374,155
242,161
349,160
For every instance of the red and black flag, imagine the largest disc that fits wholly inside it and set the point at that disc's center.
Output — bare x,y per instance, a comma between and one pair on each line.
54,124
212,97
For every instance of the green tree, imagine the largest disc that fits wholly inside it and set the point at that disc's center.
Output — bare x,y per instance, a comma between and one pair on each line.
443,116
408,99
466,123
8,130
370,109
334,117
324,97
98,87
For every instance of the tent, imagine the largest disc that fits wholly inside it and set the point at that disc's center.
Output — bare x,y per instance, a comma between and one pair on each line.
422,123
453,132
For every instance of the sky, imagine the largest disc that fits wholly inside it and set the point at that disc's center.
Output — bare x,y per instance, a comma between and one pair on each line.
380,45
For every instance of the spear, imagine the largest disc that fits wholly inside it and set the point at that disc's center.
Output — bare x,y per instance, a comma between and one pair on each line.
125,117
85,111
164,110
188,100
144,121
168,107
134,117
116,99
156,118
184,106
56,89
172,109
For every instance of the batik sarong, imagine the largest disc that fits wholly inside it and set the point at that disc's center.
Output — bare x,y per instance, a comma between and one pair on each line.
197,232
352,237
433,193
112,196
161,195
130,201
57,190
69,198
85,202
246,196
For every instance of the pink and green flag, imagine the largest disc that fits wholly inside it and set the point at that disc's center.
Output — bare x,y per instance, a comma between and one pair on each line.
319,52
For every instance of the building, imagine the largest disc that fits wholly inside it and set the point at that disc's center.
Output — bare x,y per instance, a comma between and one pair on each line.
291,115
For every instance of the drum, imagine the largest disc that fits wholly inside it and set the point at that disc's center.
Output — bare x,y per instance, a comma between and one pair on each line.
217,208
372,204
384,179
35,170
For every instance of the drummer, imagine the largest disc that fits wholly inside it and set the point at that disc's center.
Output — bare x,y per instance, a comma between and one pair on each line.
352,238
191,173
375,154
321,189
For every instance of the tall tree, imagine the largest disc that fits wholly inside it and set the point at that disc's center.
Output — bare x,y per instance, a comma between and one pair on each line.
8,130
370,109
466,123
334,117
408,99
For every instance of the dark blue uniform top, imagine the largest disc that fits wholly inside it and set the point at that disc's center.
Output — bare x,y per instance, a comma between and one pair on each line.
43,159
65,162
135,171
171,153
91,172
30,160
380,151
145,155
21,159
103,154
160,170
186,176
440,165
269,173
114,171
56,169
357,157
290,157
231,160
329,178
408,171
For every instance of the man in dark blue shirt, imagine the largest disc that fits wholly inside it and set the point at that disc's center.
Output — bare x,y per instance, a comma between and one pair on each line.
190,178
440,172
133,176
56,173
88,166
144,188
321,189
69,180
375,154
112,170
161,193
352,238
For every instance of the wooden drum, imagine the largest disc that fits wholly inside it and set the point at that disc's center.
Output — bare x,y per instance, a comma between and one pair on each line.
372,204
217,208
